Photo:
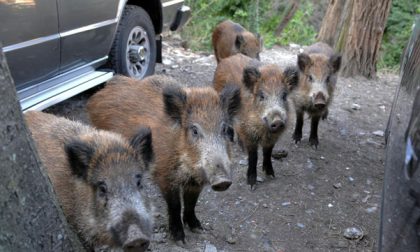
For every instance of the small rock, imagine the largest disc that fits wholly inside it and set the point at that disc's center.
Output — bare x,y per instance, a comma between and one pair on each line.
355,106
279,154
243,162
322,157
231,240
310,165
294,46
300,225
265,205
167,62
160,237
60,237
260,179
311,187
337,185
353,233
371,209
382,107
330,205
210,248
175,66
365,199
379,133
286,203
351,179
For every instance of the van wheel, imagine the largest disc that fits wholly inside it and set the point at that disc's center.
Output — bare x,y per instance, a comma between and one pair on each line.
133,52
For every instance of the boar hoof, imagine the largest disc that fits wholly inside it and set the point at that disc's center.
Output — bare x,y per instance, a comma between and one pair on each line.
253,187
197,230
314,142
179,236
297,137
269,171
194,224
180,243
252,180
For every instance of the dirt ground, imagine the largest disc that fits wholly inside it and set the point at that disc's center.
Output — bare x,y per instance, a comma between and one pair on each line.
316,194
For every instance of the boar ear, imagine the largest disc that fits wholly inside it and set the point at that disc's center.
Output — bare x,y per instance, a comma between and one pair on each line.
291,77
79,155
239,41
251,76
335,62
303,61
175,100
142,144
230,98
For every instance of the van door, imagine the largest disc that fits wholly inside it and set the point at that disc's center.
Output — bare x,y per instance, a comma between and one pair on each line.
29,34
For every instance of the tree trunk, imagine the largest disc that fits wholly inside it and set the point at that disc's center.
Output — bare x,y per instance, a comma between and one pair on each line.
330,24
367,24
287,16
30,217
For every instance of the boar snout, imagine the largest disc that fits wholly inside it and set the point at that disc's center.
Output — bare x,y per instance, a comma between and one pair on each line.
319,101
221,183
274,124
136,241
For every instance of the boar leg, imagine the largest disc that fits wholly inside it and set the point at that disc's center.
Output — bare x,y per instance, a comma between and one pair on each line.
267,165
325,115
176,229
297,135
252,166
191,194
313,138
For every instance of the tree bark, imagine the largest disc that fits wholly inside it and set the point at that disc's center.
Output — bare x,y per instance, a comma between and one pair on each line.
330,24
30,217
367,24
287,16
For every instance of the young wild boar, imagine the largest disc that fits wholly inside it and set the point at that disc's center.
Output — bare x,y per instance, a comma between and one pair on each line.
264,112
97,178
318,68
191,136
230,38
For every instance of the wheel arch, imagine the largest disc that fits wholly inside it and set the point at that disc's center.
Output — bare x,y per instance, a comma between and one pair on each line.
154,9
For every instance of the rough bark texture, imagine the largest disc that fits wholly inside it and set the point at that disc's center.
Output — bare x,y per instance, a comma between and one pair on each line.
287,16
330,24
366,28
30,217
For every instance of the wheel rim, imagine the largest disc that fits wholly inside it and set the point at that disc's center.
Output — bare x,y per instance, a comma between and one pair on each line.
138,52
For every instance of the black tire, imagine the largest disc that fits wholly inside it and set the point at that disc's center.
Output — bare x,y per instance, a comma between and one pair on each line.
120,60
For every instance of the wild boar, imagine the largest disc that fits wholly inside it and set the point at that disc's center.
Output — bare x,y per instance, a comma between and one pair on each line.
230,38
191,136
318,68
265,110
97,176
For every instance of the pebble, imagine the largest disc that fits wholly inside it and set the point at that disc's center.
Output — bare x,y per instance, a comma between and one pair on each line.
371,209
260,179
379,133
265,205
300,225
210,248
175,66
231,240
337,185
243,162
286,203
322,157
330,205
294,46
353,233
159,237
311,187
351,179
355,106
166,62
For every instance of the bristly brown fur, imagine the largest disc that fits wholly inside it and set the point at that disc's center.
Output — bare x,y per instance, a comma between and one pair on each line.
230,38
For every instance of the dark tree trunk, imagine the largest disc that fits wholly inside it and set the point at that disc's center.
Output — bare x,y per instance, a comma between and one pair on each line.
361,49
30,217
287,16
330,24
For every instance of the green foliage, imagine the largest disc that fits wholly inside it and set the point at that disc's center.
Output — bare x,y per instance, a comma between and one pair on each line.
397,32
262,18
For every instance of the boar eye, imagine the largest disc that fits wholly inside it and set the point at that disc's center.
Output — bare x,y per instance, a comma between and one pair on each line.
228,131
102,190
138,181
310,78
284,96
328,79
194,131
261,96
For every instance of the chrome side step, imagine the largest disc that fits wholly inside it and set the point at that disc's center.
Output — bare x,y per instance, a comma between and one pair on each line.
65,90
